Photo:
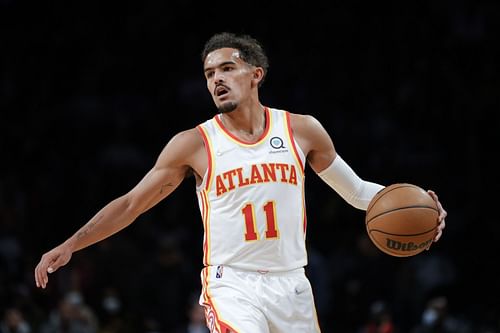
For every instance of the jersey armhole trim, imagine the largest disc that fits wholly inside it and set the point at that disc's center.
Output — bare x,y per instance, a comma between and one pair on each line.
291,140
210,160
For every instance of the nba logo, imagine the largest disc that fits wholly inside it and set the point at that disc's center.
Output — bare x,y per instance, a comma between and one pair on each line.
218,273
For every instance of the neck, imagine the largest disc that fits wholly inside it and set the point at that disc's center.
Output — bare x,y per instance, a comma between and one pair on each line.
247,124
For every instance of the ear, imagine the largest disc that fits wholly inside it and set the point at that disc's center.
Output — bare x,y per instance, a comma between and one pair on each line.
258,74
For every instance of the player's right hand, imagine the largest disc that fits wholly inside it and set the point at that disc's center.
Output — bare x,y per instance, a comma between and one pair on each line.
50,262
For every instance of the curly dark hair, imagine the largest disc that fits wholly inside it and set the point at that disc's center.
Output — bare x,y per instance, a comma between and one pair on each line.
251,51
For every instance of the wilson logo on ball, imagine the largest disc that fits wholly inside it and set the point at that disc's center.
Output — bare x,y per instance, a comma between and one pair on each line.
410,246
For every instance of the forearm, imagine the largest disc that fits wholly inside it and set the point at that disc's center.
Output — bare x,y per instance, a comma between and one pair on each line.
109,220
356,191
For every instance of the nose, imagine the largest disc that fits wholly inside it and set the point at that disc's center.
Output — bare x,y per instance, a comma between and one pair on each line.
218,77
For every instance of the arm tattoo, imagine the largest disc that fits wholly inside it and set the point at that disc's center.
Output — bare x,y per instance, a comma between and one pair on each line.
164,186
87,228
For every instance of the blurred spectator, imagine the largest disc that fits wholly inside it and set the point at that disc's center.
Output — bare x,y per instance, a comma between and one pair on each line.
380,320
196,318
112,318
420,278
13,322
162,285
71,316
437,319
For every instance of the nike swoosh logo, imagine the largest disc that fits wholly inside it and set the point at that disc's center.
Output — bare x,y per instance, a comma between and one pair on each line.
222,152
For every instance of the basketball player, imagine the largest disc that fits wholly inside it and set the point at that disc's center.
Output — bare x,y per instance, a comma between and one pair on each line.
249,162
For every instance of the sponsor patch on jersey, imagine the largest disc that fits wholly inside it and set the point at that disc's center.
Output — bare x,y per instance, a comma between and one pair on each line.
277,144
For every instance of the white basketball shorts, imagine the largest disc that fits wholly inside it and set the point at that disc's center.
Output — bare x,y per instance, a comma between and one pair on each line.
242,301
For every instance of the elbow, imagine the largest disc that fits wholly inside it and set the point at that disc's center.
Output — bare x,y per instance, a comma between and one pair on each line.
132,207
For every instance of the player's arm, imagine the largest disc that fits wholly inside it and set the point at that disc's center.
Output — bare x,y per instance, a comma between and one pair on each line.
164,177
318,146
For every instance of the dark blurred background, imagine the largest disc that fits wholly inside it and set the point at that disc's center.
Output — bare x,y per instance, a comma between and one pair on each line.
90,92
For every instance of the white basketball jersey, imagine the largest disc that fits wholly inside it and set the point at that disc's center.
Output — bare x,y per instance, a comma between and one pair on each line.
252,197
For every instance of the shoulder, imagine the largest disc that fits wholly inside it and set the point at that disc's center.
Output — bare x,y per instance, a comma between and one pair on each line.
310,134
189,136
298,122
182,146
304,123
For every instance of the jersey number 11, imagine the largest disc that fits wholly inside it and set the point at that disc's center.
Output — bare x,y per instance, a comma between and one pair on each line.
250,222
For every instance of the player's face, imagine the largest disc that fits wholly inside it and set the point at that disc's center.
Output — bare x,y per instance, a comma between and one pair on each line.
229,79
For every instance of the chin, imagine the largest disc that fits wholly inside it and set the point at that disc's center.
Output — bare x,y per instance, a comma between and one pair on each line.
227,107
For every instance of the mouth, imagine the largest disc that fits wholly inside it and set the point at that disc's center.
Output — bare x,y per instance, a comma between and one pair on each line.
221,91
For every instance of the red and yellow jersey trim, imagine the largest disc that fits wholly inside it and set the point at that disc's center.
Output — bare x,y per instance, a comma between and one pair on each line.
300,163
210,160
212,315
205,217
237,140
203,195
292,144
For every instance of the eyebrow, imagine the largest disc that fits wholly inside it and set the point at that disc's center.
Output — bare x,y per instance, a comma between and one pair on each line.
220,65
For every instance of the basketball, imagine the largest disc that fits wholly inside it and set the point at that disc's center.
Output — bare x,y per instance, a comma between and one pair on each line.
402,220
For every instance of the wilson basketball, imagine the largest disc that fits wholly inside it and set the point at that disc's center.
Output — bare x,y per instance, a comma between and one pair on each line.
402,220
